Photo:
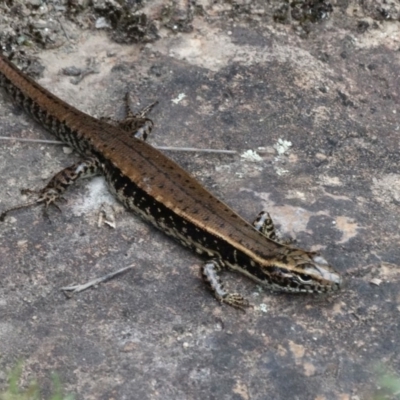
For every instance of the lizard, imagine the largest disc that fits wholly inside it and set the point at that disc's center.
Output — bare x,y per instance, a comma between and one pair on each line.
157,189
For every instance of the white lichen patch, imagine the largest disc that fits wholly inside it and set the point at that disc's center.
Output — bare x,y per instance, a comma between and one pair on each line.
282,146
96,195
179,98
251,156
263,308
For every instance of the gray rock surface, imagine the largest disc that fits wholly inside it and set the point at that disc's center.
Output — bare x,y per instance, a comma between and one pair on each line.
310,100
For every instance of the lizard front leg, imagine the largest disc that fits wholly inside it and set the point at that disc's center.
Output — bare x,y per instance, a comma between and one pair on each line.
211,276
264,224
137,124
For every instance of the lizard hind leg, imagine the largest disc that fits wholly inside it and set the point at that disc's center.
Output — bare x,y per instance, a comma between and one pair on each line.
60,182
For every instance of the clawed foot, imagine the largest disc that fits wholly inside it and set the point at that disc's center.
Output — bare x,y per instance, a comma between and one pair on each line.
236,300
46,197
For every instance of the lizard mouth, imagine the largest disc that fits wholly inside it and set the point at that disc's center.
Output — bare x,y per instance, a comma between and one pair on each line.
321,268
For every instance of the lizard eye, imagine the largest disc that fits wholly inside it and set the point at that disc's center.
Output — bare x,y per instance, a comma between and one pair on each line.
304,278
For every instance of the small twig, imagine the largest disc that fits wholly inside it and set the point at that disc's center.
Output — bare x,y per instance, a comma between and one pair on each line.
69,290
192,149
31,140
62,28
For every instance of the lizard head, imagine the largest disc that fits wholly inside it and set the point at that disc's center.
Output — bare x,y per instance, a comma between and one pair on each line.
300,271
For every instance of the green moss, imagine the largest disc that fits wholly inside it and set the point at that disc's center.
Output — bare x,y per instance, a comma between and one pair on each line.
389,385
32,391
